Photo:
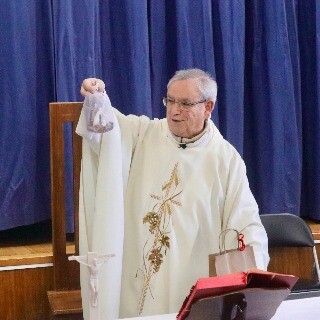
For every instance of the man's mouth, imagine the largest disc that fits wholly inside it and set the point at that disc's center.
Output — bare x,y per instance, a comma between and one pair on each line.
176,120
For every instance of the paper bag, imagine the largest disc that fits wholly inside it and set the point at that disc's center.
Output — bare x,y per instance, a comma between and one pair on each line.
230,261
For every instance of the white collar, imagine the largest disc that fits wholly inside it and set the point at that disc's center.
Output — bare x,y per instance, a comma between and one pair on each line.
196,141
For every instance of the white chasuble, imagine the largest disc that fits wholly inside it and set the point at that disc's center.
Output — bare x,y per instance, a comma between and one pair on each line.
176,203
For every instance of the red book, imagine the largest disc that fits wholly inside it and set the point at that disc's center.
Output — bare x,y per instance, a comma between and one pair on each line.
236,282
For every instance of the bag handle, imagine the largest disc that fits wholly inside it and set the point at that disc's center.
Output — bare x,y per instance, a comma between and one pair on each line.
240,239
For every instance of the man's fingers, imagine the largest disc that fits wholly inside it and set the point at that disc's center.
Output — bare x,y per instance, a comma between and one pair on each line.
83,91
88,86
101,85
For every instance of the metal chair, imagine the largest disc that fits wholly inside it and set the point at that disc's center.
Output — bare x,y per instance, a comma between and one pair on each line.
286,231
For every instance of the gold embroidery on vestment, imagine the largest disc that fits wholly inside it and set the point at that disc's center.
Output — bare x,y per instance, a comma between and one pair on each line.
158,220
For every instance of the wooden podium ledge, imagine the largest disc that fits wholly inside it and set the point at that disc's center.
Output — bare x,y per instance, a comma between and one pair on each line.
17,255
65,304
315,228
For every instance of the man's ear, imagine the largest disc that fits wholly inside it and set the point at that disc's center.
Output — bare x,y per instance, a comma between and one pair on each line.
209,108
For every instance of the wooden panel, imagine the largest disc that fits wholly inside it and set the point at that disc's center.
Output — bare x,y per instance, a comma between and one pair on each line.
297,261
23,294
66,273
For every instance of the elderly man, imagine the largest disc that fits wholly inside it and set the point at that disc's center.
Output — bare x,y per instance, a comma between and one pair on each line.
185,185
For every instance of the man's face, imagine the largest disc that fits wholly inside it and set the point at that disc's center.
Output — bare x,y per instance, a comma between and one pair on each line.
187,123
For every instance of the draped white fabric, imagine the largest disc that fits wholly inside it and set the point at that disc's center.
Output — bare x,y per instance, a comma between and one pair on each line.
101,218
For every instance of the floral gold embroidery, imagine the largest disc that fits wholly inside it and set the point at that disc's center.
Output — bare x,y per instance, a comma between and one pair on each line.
159,224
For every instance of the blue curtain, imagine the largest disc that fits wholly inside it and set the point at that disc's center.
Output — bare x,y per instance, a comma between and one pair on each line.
27,85
264,55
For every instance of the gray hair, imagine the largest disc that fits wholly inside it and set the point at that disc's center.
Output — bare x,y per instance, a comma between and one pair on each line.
207,85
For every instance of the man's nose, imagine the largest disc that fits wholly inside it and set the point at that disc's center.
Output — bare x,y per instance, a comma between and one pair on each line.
177,106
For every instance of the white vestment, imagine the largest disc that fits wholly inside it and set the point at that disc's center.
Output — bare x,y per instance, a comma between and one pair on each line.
176,203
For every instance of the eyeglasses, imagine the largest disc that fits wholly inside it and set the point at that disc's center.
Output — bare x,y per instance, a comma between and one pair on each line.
167,102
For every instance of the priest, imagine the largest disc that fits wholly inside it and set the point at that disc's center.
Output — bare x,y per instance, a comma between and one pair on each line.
159,193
